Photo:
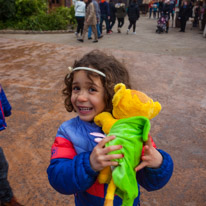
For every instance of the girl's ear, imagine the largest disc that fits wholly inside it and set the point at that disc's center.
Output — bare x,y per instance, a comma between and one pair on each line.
119,90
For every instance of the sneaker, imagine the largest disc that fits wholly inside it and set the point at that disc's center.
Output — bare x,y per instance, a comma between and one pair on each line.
127,31
13,202
133,32
109,32
99,37
89,38
95,41
119,30
81,40
76,34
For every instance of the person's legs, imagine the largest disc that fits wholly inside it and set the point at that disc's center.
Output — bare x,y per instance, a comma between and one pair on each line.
134,27
98,31
100,25
112,22
118,26
107,24
121,22
81,25
84,32
130,24
90,32
182,24
150,12
94,30
78,26
6,193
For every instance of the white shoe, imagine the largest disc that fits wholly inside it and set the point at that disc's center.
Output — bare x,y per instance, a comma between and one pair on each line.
76,34
133,32
127,31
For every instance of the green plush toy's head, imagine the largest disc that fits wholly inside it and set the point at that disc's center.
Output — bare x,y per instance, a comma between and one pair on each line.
130,103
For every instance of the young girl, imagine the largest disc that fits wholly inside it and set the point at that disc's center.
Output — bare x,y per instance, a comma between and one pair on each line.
76,158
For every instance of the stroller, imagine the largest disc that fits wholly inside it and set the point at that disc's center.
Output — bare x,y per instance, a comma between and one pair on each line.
163,23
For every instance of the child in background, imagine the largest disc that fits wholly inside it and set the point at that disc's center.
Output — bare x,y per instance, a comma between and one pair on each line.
76,158
6,195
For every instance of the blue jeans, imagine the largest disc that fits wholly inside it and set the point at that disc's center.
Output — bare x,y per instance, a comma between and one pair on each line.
90,31
104,18
6,193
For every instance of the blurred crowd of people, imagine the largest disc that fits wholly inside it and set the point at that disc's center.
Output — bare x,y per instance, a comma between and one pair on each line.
93,15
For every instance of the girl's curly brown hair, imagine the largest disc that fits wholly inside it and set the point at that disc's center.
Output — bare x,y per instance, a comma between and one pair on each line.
115,73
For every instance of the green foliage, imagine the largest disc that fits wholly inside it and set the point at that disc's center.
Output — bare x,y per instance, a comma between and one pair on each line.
32,15
27,8
7,10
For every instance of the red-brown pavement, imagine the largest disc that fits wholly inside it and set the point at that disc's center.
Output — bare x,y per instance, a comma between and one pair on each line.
171,68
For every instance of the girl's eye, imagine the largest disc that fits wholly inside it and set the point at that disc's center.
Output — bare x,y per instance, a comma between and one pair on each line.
92,89
76,88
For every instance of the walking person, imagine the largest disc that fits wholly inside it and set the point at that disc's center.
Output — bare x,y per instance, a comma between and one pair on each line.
151,8
184,15
112,14
79,7
133,14
98,15
160,9
105,15
6,194
155,9
90,20
120,14
166,13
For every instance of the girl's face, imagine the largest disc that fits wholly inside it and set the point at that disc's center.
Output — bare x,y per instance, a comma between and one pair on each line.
87,96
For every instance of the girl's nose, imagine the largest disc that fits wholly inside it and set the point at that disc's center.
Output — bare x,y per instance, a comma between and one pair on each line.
82,96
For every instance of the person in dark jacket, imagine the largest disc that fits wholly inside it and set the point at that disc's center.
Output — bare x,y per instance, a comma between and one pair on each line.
184,15
112,14
166,13
6,194
133,14
105,15
120,14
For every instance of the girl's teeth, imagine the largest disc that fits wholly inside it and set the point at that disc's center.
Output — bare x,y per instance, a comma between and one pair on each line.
85,109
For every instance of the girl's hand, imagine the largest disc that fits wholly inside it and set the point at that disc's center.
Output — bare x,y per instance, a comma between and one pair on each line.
99,158
151,158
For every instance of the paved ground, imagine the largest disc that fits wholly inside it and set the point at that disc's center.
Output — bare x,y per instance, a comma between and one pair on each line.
169,67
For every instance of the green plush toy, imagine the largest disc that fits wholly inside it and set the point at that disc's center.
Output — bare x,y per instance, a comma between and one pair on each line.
130,123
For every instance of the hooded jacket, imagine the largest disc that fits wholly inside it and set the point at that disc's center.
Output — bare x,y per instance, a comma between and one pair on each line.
133,12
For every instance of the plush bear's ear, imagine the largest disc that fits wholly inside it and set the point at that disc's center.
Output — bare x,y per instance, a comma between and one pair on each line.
119,90
119,87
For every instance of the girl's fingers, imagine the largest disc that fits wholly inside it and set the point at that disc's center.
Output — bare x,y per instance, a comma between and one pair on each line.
141,166
105,140
113,156
112,148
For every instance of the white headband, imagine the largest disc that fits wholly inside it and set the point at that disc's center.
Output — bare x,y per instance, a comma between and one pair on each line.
87,69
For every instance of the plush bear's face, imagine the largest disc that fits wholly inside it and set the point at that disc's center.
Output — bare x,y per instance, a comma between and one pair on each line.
130,103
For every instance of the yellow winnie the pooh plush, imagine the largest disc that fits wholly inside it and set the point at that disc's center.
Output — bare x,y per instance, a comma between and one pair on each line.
129,122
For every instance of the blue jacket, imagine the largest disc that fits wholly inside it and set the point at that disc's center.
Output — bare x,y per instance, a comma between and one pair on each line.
70,171
5,109
104,8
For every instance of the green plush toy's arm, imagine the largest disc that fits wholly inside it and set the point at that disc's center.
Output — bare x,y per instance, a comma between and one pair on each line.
105,120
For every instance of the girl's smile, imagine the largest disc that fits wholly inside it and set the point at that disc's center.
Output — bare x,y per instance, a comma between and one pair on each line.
87,95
